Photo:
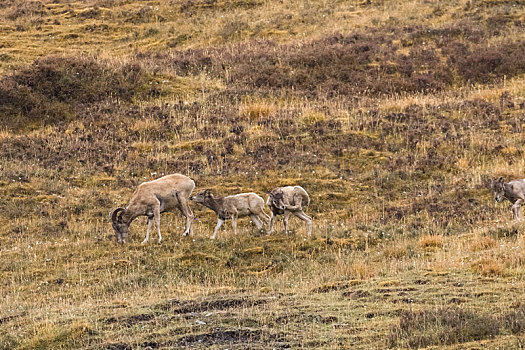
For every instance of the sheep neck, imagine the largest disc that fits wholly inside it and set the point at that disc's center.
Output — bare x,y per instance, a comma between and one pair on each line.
128,216
509,194
215,204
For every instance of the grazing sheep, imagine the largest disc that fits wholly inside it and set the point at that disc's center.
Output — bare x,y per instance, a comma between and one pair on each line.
289,200
513,191
239,205
152,198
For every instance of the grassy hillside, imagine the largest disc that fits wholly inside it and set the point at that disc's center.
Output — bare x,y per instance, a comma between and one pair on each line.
394,116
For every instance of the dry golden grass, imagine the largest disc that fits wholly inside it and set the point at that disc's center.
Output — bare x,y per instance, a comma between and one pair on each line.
488,266
431,242
480,243
408,247
257,110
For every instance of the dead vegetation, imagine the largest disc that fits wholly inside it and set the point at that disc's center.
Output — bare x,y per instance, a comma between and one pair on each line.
394,123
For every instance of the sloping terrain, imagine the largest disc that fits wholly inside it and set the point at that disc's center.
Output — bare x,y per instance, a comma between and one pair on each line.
394,116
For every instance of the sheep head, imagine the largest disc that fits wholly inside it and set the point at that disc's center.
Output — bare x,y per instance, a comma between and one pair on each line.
121,228
277,201
498,189
202,197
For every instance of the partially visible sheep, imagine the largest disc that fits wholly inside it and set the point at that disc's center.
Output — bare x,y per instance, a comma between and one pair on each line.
513,191
152,198
289,200
239,205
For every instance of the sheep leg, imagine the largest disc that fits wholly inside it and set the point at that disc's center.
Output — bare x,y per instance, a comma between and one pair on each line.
156,217
256,220
219,223
234,223
285,220
150,221
264,217
270,223
186,211
516,209
293,207
301,215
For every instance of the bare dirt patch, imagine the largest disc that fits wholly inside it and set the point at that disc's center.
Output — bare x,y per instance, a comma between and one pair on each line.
238,336
184,307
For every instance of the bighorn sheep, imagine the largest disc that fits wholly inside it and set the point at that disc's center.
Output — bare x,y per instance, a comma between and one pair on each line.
239,205
513,191
289,200
153,198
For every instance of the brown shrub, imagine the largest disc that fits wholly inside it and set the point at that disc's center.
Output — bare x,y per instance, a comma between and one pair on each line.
484,63
17,9
80,79
20,106
335,65
442,37
361,63
51,88
514,320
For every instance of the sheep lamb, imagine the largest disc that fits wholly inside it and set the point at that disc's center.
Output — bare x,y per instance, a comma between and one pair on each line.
239,205
513,191
289,200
